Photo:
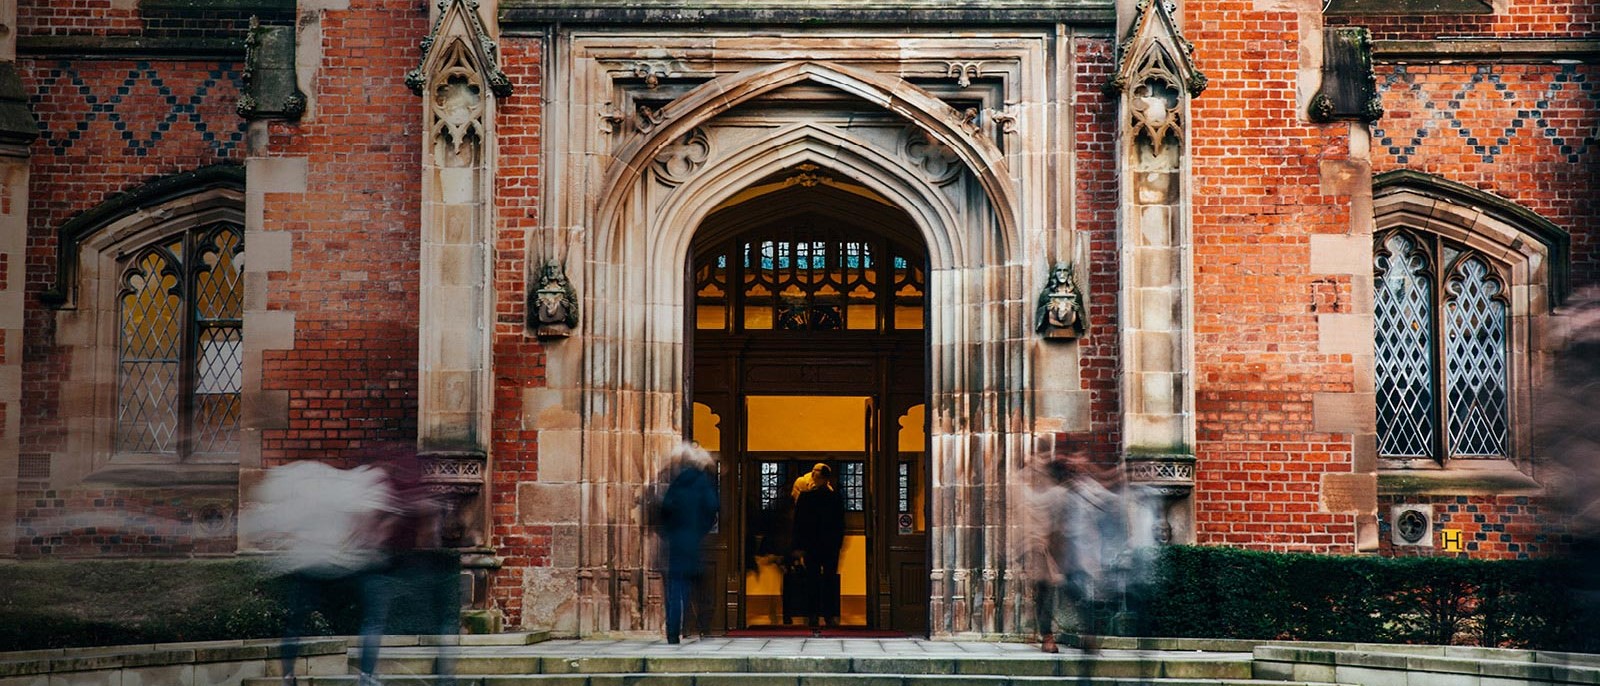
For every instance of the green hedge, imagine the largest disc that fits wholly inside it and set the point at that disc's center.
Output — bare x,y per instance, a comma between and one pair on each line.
69,603
1197,592
1228,593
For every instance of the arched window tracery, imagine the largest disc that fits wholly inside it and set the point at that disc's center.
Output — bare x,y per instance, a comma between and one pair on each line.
1442,344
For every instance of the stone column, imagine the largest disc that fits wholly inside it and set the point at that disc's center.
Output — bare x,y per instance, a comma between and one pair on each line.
1156,76
17,131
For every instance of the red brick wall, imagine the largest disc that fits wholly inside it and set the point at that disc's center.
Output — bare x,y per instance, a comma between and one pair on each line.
1492,527
519,358
1257,200
352,375
1522,19
107,126
1095,125
1526,132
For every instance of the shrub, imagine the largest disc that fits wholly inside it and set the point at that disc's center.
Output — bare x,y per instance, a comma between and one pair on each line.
1228,593
69,603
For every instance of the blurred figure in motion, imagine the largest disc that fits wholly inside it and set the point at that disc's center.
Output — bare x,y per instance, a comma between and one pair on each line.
328,527
1568,432
687,512
1093,529
1044,543
818,536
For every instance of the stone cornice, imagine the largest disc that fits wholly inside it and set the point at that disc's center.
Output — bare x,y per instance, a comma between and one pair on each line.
1487,50
130,47
527,17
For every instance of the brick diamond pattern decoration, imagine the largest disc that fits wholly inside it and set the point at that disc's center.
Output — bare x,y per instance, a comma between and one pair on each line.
1404,359
1475,362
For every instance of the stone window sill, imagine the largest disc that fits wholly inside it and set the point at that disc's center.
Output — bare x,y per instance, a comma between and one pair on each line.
1462,477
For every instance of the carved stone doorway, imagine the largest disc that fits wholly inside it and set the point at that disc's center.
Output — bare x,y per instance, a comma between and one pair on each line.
808,343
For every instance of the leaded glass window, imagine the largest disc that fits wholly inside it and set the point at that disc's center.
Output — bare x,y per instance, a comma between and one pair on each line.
1441,336
853,480
805,278
180,310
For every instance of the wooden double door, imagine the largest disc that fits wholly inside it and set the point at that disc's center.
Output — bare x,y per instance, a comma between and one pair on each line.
772,407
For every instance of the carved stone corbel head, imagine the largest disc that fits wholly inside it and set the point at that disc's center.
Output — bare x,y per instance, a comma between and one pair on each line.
1060,313
553,305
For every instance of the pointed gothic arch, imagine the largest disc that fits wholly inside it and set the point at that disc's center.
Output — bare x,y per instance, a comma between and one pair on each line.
651,201
939,121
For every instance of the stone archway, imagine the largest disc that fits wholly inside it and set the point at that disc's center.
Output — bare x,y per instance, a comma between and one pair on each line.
630,222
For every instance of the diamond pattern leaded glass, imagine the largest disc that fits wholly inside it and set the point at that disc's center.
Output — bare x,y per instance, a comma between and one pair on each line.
180,354
219,369
1475,362
150,312
1404,348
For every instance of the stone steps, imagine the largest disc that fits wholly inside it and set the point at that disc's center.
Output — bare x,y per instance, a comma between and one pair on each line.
487,666
771,679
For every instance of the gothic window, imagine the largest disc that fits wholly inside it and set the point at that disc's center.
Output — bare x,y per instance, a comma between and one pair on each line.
179,372
808,279
1442,349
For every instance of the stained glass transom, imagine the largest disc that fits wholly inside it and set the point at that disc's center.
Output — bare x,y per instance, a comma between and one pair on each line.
1475,361
1404,348
180,357
807,279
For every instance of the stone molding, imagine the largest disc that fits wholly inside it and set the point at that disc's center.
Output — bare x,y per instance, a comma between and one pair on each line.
1487,50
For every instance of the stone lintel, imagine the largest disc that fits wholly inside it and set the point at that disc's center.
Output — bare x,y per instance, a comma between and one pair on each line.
527,18
1488,49
132,47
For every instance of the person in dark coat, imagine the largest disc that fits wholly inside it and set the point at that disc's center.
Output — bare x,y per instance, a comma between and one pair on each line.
688,511
818,535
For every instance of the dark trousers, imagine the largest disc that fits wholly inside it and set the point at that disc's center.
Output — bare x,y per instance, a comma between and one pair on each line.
306,594
1044,607
683,595
821,573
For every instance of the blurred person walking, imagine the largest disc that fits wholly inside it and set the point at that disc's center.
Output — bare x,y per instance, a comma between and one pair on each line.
1567,430
1043,536
687,512
818,536
328,528
1093,523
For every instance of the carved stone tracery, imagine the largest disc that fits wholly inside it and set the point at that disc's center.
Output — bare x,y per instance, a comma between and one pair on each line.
683,157
938,161
458,109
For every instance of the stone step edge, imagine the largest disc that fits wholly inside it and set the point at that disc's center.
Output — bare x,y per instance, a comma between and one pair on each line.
1298,662
765,678
1031,665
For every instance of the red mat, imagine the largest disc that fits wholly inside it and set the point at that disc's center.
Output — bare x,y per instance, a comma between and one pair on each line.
805,632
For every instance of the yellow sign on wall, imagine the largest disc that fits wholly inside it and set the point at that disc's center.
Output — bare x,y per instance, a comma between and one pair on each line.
1450,540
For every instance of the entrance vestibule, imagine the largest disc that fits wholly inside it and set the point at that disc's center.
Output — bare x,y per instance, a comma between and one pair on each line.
809,347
